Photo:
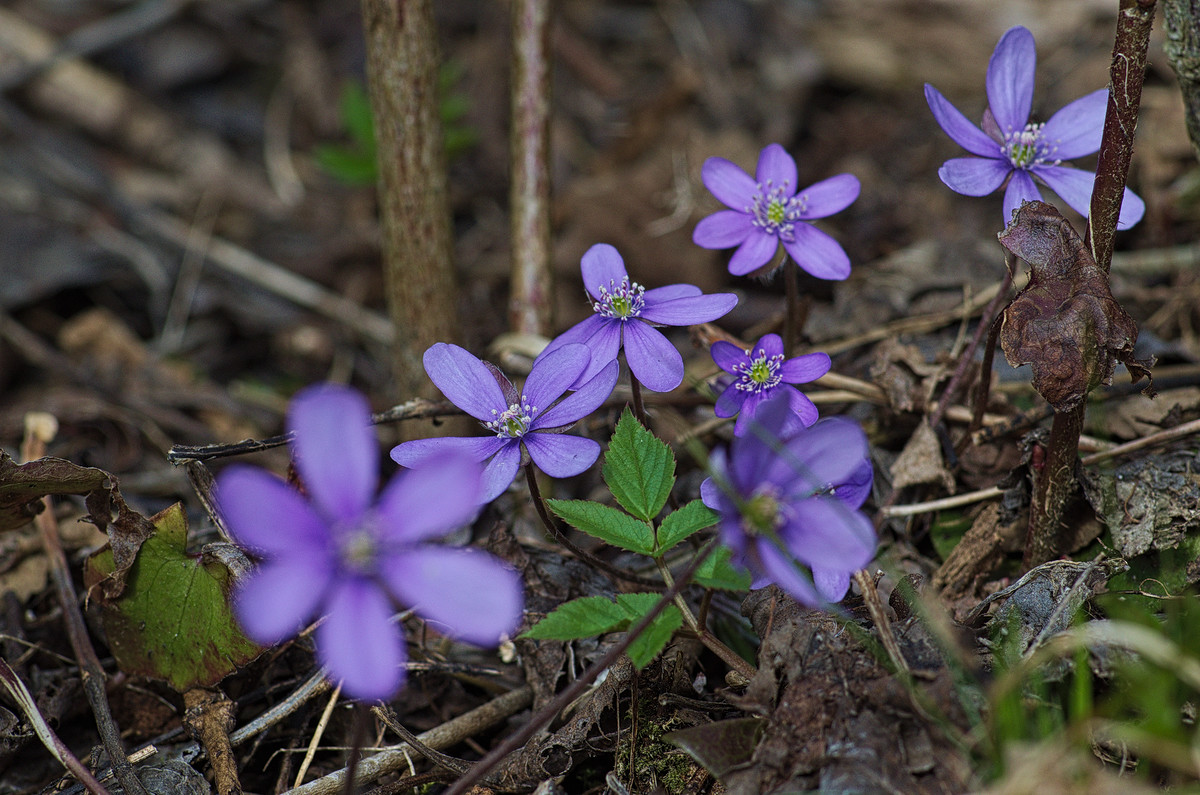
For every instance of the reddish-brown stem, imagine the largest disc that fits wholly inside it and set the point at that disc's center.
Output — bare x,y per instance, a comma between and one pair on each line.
530,302
1055,484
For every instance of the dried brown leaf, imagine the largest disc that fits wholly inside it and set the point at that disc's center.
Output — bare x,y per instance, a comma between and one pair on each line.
1065,323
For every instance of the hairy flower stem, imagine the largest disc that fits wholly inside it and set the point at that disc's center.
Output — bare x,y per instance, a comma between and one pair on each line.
639,409
558,535
710,641
362,717
1055,484
794,315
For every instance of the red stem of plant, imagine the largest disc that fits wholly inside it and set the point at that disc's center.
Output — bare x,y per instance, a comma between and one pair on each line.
1056,482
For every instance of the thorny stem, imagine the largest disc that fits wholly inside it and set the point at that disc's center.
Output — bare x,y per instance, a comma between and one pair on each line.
1054,486
539,504
90,669
582,683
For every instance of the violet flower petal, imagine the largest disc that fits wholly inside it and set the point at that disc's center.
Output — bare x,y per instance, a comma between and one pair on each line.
1077,128
823,532
417,452
769,344
831,585
730,402
824,455
553,373
1010,76
499,472
406,514
829,196
723,229
1075,187
464,593
335,448
754,252
803,408
358,643
974,176
670,292
956,125
267,516
687,311
782,570
777,168
853,491
652,358
1021,189
600,265
464,380
803,369
589,397
727,355
818,253
561,455
733,187
280,595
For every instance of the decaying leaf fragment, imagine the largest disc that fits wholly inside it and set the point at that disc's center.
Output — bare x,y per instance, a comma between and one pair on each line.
1065,323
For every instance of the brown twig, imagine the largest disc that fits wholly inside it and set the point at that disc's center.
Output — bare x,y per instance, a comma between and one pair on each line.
531,299
24,699
34,447
402,64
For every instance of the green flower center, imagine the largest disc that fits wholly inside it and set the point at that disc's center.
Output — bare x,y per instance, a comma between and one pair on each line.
761,515
759,375
513,422
620,301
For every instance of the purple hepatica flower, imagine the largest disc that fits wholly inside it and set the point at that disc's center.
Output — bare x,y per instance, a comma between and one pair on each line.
762,372
336,554
793,499
626,314
529,423
767,210
1010,147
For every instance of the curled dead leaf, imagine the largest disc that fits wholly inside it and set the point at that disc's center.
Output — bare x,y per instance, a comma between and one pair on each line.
1065,323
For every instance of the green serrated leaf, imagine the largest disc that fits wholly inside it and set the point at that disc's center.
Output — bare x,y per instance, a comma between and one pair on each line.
680,524
718,572
579,618
607,524
639,468
647,645
173,620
